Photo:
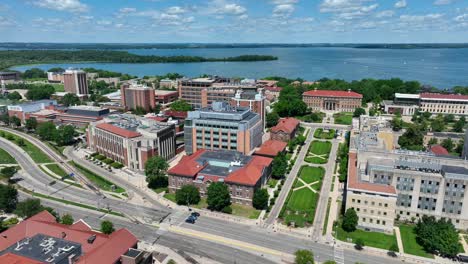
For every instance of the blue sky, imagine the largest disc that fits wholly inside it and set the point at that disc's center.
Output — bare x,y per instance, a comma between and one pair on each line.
238,21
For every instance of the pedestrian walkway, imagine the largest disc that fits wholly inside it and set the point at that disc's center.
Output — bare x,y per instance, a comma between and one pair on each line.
306,185
338,254
398,238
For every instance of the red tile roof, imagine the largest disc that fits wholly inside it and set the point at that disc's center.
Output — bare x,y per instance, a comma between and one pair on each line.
355,183
273,88
118,131
176,114
158,118
439,150
10,258
332,93
271,148
288,125
443,96
251,173
188,165
104,249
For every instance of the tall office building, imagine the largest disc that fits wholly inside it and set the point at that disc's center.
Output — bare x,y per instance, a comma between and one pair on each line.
465,147
224,127
75,82
252,99
136,95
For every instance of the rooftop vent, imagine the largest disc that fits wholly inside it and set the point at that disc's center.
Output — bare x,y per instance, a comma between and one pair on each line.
91,239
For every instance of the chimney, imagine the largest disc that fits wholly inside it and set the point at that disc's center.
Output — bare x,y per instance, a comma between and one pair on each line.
349,90
64,234
91,239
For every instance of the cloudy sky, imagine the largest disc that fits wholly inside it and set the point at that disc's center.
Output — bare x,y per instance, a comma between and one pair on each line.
238,21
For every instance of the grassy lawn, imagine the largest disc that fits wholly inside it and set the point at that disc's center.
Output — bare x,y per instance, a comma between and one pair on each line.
160,190
6,158
170,197
298,184
272,183
410,245
300,207
57,170
325,224
34,152
320,134
371,239
102,183
58,87
245,211
343,118
319,148
311,174
302,200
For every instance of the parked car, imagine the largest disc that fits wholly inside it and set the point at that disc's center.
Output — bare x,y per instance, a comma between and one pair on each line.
195,214
190,220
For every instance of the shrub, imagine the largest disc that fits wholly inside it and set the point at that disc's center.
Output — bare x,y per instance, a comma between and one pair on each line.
116,165
100,157
108,161
94,154
187,195
227,210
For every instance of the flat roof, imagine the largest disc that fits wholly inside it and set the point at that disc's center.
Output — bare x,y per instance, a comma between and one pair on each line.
164,92
407,96
333,93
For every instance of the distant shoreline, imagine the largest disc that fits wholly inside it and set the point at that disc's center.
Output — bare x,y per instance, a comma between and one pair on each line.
120,46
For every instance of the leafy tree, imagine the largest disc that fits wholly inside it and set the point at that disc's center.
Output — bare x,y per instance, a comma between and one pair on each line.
9,171
460,146
31,123
64,135
350,220
272,119
107,227
67,219
290,102
412,139
438,124
304,256
397,124
39,92
329,262
448,144
218,196
5,119
8,198
28,207
181,105
458,126
56,69
187,195
34,73
15,121
279,166
46,131
260,199
359,111
449,118
438,236
20,142
70,99
155,171
433,141
14,96
359,244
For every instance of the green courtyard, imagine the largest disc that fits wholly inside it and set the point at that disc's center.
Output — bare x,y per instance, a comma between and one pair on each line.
410,245
327,134
319,152
302,200
371,239
6,158
343,118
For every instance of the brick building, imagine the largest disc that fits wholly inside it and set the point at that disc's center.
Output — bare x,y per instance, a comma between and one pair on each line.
132,140
164,97
242,174
75,82
271,148
23,111
136,95
40,239
253,100
285,130
328,100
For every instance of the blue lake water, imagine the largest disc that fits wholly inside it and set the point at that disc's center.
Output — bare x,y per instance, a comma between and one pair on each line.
442,68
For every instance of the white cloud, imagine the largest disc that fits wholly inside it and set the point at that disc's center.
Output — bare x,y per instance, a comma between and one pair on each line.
443,2
127,10
104,22
342,6
420,18
386,13
283,10
222,8
62,5
462,18
5,22
175,10
401,4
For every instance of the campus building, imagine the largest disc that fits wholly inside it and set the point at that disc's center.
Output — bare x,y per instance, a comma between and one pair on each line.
202,92
242,174
75,82
9,76
55,77
164,97
135,96
23,111
251,99
434,103
385,183
285,130
222,126
328,100
81,115
132,140
40,240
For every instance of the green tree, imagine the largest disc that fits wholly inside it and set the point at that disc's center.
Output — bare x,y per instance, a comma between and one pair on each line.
21,142
181,105
359,244
448,144
359,111
15,121
438,124
56,69
70,99
438,236
449,118
260,199
8,171
412,139
47,131
31,123
39,92
107,227
272,119
28,207
350,220
67,219
187,195
34,73
329,262
64,135
218,196
5,119
304,256
8,198
14,96
155,171
458,126
397,124
433,141
279,166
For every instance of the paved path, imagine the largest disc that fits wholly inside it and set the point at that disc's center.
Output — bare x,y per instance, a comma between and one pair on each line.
306,185
398,238
274,213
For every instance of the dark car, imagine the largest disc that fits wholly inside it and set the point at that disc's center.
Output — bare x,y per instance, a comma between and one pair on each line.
190,220
392,254
195,214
